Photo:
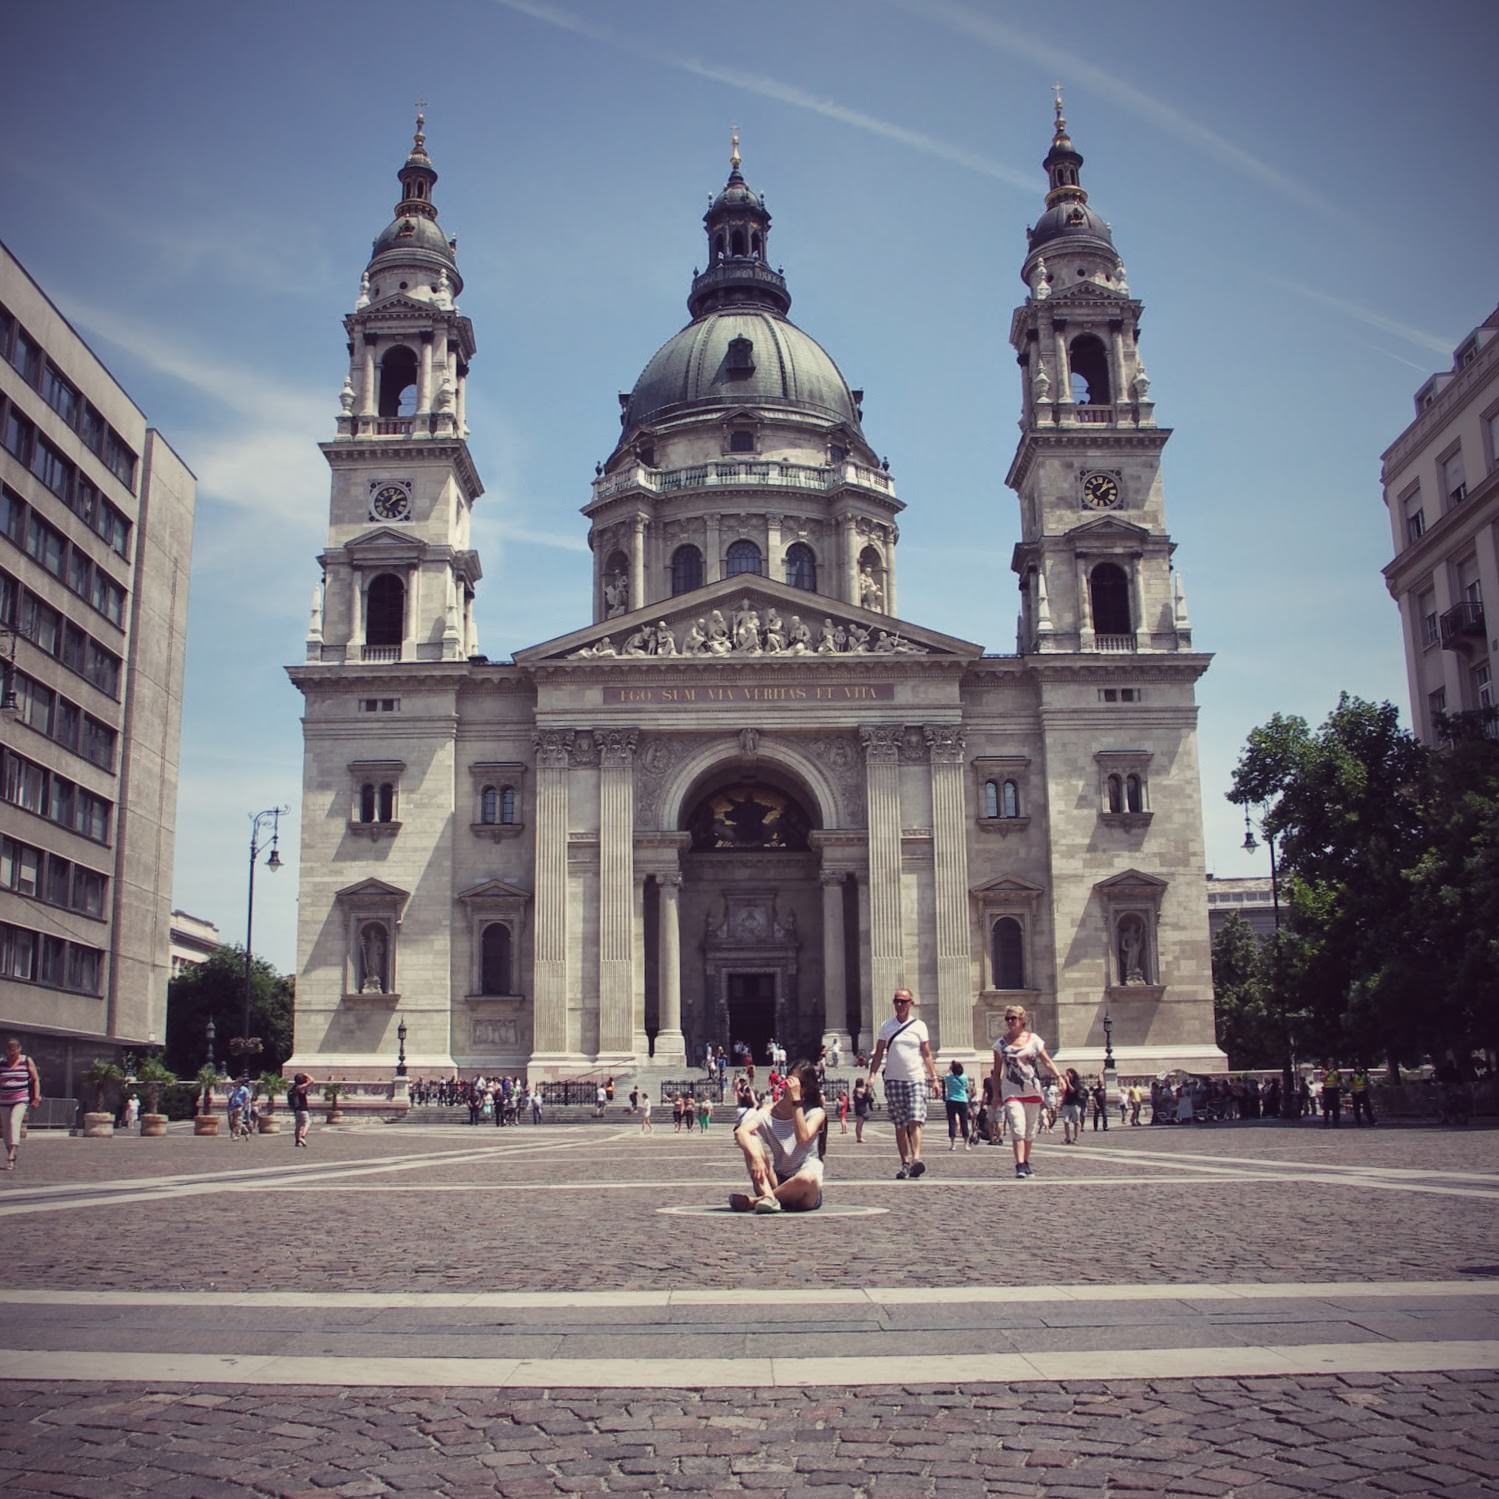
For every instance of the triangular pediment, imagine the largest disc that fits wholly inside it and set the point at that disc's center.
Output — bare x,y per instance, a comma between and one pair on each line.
404,306
380,536
372,890
1087,291
1007,887
1109,528
1131,882
712,623
493,890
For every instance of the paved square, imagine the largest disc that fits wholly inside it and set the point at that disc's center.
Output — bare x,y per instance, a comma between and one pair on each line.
1232,1310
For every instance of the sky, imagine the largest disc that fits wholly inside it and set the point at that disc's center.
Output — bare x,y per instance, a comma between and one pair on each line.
1298,193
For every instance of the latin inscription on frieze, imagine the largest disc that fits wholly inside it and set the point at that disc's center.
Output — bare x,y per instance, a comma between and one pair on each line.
731,696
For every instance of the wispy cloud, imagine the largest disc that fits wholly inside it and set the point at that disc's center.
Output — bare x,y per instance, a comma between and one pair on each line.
1106,83
1366,315
559,540
783,93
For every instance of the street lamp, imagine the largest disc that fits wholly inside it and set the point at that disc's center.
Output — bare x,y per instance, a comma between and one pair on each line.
211,1031
245,1044
401,1058
1288,1109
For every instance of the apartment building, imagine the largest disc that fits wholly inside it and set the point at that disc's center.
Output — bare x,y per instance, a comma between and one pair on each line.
96,523
1441,489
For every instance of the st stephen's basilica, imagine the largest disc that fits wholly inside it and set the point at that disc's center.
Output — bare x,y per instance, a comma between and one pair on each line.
747,798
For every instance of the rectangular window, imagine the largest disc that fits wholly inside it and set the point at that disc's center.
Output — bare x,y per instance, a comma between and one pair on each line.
85,499
80,572
26,356
47,545
36,703
108,597
88,891
59,880
97,743
1426,612
7,332
119,459
1454,478
26,869
1436,702
50,961
18,433
40,623
22,953
74,646
52,468
113,527
66,722
10,594
1483,687
103,669
93,427
93,816
60,803
59,394
13,515
1415,514
83,968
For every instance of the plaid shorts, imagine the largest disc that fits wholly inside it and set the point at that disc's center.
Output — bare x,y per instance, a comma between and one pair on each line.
905,1101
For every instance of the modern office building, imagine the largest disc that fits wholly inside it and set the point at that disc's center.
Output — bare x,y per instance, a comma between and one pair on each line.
96,525
1441,489
745,797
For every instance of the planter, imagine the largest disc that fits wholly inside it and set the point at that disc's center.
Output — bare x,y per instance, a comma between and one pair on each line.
153,1124
205,1124
335,1116
269,1125
98,1126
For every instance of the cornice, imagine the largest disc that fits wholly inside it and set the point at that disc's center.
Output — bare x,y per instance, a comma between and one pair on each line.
1452,401
1450,531
1035,442
359,452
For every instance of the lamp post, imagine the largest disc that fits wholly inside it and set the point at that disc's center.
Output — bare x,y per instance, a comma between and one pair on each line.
246,1045
1288,1109
211,1031
401,1057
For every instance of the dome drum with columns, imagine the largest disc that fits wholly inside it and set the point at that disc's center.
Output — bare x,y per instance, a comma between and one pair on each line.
745,798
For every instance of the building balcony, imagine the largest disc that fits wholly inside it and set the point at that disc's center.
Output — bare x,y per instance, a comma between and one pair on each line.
1115,645
379,653
1460,624
745,473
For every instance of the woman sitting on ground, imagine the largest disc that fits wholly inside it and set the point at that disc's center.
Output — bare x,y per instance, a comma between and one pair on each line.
783,1145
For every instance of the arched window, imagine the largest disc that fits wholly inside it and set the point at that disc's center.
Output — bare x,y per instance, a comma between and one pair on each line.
1011,799
1134,799
367,802
1090,370
737,242
1009,954
385,611
387,809
398,382
1108,588
1116,793
801,566
742,557
755,244
489,805
871,580
494,962
991,799
742,441
686,569
718,246
507,804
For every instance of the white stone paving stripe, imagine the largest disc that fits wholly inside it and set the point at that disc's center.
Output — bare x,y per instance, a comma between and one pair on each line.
750,1296
429,1373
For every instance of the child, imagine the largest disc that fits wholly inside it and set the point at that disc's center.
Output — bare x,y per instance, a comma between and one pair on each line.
843,1111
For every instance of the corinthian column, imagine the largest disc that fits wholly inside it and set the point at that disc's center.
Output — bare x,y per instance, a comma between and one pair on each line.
882,787
835,1018
549,1014
950,859
671,1048
616,888
638,599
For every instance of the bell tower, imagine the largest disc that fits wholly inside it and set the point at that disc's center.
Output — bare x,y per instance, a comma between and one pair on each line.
398,572
1094,558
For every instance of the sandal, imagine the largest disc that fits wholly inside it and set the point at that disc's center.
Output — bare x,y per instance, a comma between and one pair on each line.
768,1205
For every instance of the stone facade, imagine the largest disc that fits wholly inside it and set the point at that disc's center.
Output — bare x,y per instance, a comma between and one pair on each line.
746,799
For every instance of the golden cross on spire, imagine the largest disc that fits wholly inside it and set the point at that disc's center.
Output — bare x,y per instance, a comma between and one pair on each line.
1061,133
734,156
421,119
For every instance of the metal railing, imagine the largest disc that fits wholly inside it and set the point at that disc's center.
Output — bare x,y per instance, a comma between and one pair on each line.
694,1087
1461,621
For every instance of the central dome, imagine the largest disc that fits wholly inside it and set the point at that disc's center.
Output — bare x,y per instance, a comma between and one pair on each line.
780,366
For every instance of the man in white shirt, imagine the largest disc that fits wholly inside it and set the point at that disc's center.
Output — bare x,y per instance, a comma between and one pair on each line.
909,1049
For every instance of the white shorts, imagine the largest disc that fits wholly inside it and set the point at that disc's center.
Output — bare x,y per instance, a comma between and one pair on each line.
1022,1117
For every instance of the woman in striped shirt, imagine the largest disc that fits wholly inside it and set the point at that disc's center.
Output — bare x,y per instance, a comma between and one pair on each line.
19,1086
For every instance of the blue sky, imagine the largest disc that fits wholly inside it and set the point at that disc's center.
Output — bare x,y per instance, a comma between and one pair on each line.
1300,193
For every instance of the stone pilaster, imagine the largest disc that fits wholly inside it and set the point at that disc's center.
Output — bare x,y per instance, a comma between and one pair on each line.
950,862
836,1019
882,788
671,1048
549,1017
616,889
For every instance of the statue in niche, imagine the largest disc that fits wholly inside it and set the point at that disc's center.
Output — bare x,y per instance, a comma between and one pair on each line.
1141,382
616,594
695,641
1132,950
374,950
718,635
871,595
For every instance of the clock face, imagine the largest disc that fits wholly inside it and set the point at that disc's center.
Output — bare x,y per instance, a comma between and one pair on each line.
1100,491
391,502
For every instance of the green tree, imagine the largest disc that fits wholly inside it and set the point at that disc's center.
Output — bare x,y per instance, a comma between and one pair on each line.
1248,1025
214,989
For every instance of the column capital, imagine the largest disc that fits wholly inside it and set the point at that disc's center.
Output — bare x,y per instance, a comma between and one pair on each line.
833,876
945,741
669,880
552,746
882,742
616,746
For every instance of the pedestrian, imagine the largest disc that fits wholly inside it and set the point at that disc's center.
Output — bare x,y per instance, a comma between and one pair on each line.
301,1110
863,1098
1136,1102
843,1111
1332,1097
609,1090
704,1114
1100,1106
20,1089
1074,1102
955,1097
783,1149
1018,1056
238,1106
645,1113
904,1038
689,1111
536,1104
132,1111
601,1101
677,1105
1363,1102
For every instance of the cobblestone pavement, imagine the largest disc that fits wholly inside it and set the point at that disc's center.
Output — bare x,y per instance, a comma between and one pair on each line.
90,1226
1356,1436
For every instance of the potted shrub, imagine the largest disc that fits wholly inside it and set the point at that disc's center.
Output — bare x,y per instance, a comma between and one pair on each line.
205,1121
101,1074
332,1092
153,1075
272,1085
